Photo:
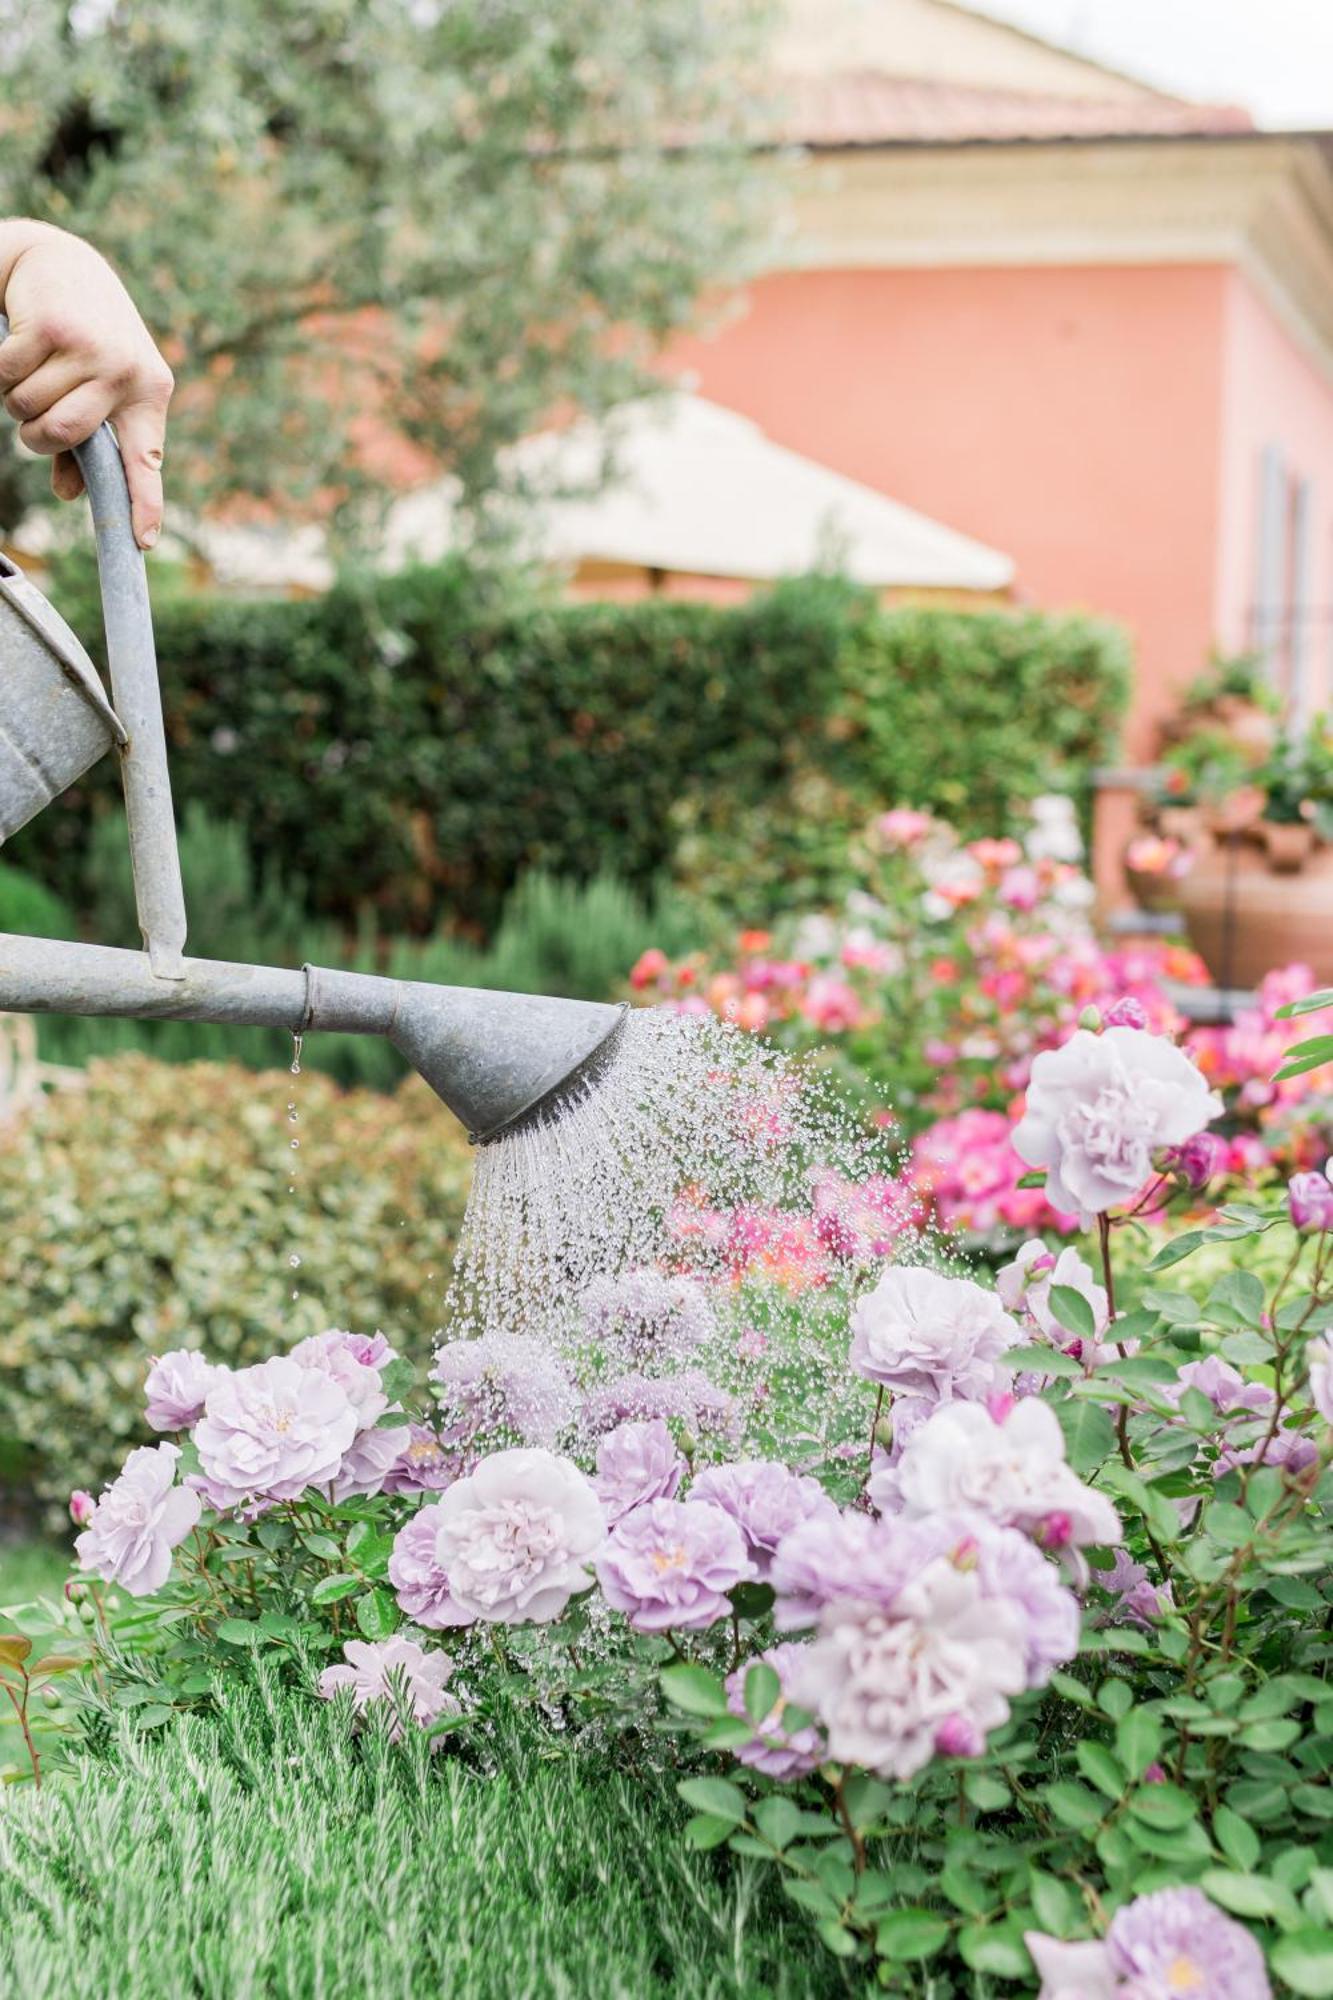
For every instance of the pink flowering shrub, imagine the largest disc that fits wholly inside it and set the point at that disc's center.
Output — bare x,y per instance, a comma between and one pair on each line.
948,973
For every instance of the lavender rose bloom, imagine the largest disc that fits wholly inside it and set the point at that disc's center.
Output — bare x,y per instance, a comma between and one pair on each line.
1224,1386
140,1518
646,1316
1100,1107
1079,1971
1310,1201
636,1462
421,1586
379,1671
423,1464
515,1537
1138,1599
373,1455
825,1562
669,1565
933,1676
176,1387
1026,1285
765,1500
690,1396
354,1361
1176,1941
921,1334
502,1383
272,1430
774,1750
1011,1467
1012,1570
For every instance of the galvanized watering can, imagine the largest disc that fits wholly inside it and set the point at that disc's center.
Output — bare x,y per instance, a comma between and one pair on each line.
498,1060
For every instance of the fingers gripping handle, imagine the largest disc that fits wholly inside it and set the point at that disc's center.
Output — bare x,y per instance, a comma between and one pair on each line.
132,658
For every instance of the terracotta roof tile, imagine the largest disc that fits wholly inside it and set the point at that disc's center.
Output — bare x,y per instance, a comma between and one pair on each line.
871,108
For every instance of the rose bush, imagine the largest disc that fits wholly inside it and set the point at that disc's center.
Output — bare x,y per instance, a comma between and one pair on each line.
1025,1678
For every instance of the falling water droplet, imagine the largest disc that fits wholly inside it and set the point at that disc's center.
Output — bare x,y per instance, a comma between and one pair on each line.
297,1042
296,1143
294,1261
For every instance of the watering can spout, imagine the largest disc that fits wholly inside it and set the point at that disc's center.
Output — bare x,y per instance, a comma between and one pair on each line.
498,1060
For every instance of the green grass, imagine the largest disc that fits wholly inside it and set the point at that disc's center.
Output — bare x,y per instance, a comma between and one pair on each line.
260,1855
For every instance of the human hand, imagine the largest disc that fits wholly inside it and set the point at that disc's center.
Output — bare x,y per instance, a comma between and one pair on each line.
77,354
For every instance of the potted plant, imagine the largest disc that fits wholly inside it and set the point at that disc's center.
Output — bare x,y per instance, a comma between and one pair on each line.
1261,893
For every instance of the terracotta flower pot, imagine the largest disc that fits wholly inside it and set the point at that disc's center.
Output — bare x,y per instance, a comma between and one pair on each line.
1245,919
1289,844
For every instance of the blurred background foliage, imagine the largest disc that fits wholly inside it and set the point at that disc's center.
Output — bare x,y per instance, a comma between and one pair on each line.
149,1208
398,758
435,222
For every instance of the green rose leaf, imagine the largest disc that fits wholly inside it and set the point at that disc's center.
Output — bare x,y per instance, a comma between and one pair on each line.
911,1934
717,1796
1304,1958
693,1689
377,1614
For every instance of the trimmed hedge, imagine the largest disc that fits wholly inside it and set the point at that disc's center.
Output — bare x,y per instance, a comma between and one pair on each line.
148,1209
413,746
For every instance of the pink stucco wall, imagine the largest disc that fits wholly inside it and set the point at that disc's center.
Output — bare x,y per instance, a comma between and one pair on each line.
1276,399
1070,416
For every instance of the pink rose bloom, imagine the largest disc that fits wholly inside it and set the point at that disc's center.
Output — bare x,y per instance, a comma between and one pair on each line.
1011,1469
272,1430
515,1538
141,1517
1100,1107
774,1750
669,1565
765,1500
921,1334
903,826
932,1676
636,1462
176,1387
389,1668
1198,1160
421,1586
81,1506
832,1006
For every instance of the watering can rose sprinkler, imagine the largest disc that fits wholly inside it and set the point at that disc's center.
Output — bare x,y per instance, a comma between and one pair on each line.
498,1060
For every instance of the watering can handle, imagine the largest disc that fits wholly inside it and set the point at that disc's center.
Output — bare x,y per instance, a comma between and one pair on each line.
132,658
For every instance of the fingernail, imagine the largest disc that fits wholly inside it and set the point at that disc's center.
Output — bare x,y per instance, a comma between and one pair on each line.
148,539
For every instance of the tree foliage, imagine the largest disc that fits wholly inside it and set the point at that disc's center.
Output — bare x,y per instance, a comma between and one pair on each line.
456,215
